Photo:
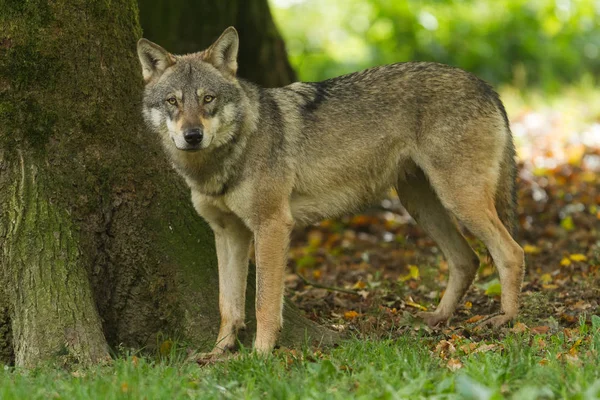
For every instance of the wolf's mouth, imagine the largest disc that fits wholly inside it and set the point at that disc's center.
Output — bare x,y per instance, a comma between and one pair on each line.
191,148
186,147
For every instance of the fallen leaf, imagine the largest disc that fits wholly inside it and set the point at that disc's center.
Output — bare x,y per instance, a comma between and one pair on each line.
350,315
578,257
519,328
468,348
454,364
474,318
415,305
359,285
581,305
444,348
494,289
165,347
529,249
546,278
565,262
540,329
485,348
413,273
575,348
567,224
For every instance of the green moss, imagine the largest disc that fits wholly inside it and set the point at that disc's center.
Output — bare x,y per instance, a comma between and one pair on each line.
38,123
26,119
28,67
37,12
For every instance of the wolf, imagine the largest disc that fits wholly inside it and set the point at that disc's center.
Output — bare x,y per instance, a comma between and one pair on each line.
260,161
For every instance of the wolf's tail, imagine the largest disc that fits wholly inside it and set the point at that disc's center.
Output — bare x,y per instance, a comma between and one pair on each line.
506,190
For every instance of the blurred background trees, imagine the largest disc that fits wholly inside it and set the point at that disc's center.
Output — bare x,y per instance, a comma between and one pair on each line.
543,43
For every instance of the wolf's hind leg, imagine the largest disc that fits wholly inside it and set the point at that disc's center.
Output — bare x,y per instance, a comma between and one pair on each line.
425,207
470,197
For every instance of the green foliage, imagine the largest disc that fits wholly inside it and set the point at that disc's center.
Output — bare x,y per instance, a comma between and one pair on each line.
543,42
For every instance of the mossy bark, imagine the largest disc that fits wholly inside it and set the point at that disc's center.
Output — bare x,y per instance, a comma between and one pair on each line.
100,245
189,26
45,279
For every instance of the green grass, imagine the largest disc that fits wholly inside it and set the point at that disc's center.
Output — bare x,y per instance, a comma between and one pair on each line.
520,366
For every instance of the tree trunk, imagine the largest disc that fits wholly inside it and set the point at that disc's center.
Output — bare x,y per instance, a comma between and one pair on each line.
188,26
100,243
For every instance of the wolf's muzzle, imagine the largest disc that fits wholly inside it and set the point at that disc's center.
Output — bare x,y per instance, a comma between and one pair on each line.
193,136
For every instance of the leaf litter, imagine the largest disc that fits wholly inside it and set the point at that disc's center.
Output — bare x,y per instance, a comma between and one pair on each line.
388,269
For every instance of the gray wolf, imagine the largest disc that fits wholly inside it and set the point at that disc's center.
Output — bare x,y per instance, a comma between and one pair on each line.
261,161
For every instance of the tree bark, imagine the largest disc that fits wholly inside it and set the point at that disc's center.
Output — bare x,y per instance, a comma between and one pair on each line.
188,26
100,243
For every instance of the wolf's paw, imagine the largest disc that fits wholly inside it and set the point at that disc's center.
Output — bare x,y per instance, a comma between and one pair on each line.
432,318
495,320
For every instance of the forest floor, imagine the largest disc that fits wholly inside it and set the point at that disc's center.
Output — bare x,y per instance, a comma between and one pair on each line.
371,273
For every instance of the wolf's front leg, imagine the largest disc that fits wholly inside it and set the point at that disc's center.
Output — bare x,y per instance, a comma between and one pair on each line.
271,246
232,239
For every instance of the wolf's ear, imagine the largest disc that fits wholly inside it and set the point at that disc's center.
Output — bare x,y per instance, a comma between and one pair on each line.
223,53
154,59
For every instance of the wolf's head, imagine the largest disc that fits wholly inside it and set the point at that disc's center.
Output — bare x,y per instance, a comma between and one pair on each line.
193,100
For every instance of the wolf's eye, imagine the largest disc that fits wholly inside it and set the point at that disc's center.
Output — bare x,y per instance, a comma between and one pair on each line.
208,98
172,101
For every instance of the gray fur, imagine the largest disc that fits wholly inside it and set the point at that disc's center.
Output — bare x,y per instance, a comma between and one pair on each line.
271,158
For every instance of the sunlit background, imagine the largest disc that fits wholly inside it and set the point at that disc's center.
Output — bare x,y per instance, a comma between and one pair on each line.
543,56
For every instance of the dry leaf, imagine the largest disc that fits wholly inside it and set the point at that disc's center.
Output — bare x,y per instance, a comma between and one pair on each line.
413,273
454,364
444,348
540,329
546,278
474,319
359,285
468,348
350,315
565,262
578,257
416,305
529,249
484,348
519,328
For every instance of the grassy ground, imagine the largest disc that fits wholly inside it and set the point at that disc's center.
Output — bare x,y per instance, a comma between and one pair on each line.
522,366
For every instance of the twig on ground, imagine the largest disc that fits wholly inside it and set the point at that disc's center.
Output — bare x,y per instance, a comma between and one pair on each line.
331,288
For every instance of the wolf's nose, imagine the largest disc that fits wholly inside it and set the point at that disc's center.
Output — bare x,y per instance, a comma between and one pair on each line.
193,136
